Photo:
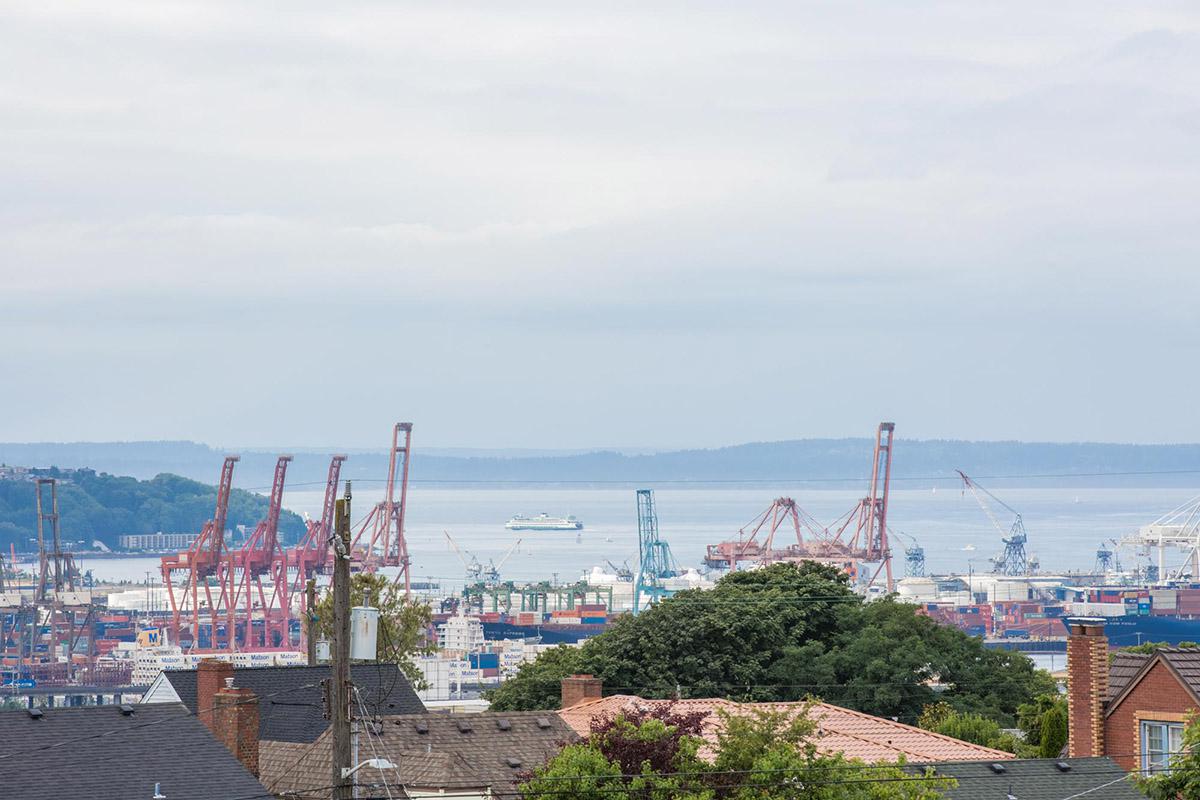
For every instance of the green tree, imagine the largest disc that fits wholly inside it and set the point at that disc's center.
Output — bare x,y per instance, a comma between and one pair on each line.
403,623
1183,781
1054,733
578,771
787,632
944,719
1149,648
1044,723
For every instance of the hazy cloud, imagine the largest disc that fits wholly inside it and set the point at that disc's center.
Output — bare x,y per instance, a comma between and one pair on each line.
548,224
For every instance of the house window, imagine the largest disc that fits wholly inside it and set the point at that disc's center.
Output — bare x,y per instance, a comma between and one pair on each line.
1160,741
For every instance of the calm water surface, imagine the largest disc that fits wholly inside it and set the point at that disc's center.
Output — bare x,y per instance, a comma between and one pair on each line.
1064,525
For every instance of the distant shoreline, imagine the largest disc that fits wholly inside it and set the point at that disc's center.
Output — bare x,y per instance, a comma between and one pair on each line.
829,463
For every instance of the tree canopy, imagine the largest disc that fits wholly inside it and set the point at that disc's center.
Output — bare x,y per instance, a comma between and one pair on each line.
787,632
98,506
1150,648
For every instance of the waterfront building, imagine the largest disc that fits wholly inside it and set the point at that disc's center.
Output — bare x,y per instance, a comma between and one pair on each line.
156,542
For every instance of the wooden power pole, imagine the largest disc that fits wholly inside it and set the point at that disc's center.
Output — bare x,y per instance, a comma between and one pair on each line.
310,620
339,686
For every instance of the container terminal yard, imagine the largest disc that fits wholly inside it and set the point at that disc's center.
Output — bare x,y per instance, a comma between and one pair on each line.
61,639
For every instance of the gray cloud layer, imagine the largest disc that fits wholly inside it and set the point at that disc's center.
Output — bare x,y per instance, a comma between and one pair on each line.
566,224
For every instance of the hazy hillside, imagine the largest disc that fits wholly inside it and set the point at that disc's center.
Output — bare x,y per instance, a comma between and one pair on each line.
100,506
827,461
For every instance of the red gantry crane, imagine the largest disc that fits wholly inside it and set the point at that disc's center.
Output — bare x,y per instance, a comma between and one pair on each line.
202,561
380,540
261,556
311,556
868,544
240,598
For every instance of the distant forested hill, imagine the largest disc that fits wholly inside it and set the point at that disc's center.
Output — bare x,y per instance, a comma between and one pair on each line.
96,505
827,462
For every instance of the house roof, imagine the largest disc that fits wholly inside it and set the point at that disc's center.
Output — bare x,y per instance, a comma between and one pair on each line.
1121,670
431,751
291,700
839,730
99,753
1039,779
1182,662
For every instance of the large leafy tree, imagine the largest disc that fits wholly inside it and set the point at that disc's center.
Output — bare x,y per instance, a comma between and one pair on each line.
787,632
1044,723
942,718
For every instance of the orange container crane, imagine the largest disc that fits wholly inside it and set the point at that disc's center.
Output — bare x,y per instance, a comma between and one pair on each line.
202,561
828,545
380,540
261,556
311,555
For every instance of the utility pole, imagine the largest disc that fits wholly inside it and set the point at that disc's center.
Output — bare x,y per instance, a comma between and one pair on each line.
339,685
310,620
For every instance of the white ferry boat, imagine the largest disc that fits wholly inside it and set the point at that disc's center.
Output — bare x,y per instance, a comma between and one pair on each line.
543,522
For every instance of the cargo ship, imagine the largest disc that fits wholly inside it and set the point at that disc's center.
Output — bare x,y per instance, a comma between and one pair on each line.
1132,615
543,522
1127,631
565,626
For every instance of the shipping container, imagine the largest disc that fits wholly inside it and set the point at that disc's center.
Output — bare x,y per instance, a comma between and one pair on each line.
484,660
1164,598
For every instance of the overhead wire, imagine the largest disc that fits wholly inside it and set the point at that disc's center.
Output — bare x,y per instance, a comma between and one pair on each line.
371,740
466,787
823,769
765,480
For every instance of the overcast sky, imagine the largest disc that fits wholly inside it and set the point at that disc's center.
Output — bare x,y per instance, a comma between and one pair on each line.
591,224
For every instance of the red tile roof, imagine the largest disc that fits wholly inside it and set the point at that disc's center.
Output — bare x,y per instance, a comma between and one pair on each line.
839,730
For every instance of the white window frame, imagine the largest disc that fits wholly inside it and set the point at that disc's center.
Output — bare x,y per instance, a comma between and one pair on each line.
1158,762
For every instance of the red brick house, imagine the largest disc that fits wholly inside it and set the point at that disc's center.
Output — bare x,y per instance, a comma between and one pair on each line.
1131,708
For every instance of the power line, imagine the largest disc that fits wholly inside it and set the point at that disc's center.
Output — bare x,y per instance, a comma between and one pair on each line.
470,789
780,480
798,782
834,768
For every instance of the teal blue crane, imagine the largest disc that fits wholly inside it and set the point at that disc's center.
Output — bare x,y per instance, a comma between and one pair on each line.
655,561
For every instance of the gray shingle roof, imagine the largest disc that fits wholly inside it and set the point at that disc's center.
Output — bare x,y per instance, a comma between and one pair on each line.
1122,669
291,702
1186,661
1039,779
455,751
110,756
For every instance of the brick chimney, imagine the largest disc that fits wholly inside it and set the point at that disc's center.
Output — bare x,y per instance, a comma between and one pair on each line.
577,688
1087,687
235,723
211,677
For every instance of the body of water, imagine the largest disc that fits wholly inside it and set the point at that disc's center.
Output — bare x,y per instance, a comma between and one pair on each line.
1065,526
